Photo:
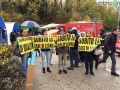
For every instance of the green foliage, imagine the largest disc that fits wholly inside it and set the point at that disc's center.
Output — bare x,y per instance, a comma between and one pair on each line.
45,11
9,68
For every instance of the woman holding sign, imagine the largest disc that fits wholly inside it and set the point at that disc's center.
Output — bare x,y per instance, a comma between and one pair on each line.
89,57
24,57
45,53
62,56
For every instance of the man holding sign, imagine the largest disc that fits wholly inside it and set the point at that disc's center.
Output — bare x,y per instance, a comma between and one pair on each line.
62,55
74,51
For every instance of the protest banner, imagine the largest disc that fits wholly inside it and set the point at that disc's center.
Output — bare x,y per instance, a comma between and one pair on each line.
43,42
66,40
88,43
26,44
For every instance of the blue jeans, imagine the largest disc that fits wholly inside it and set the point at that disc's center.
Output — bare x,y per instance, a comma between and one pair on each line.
73,54
24,59
48,56
112,56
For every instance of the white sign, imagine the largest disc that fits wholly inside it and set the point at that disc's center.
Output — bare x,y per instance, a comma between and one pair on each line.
108,2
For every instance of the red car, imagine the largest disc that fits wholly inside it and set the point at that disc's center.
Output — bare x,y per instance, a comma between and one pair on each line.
118,44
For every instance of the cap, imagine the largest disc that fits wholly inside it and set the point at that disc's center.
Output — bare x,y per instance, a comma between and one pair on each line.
74,28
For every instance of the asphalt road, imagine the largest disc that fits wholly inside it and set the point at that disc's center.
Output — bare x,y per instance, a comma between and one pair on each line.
76,79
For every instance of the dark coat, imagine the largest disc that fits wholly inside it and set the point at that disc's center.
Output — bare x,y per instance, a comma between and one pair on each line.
103,36
88,54
76,41
13,37
110,41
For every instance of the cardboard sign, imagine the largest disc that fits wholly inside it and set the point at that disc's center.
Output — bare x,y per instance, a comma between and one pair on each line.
26,44
88,43
30,71
44,42
66,40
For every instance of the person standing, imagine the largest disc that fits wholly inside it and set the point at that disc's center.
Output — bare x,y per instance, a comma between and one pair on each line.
30,32
13,38
102,36
37,50
24,57
74,51
88,57
83,34
109,50
62,55
45,53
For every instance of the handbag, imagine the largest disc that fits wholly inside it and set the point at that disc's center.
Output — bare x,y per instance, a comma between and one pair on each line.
16,52
98,51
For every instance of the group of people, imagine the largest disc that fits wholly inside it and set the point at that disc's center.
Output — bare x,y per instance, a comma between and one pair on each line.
76,57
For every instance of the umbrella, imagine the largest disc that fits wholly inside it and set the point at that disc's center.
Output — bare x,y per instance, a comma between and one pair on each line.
30,24
52,31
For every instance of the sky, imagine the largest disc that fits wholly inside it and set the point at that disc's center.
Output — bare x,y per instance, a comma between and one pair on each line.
106,0
62,0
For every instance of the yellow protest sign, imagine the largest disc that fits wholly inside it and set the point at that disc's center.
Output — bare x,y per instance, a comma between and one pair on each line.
66,40
88,43
44,42
26,44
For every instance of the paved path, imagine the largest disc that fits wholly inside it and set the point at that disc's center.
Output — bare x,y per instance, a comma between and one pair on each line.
76,79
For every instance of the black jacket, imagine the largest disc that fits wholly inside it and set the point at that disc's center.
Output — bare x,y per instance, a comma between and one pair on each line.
110,41
103,36
76,41
88,54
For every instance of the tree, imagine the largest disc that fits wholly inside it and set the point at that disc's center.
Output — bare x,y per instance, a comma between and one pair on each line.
32,8
75,17
42,11
86,18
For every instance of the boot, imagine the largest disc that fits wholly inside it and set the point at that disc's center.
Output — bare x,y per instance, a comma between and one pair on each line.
96,66
76,66
65,71
114,73
86,73
70,68
92,73
48,69
60,71
43,70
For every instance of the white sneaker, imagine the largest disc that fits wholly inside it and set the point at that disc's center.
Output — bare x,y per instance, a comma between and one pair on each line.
79,65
